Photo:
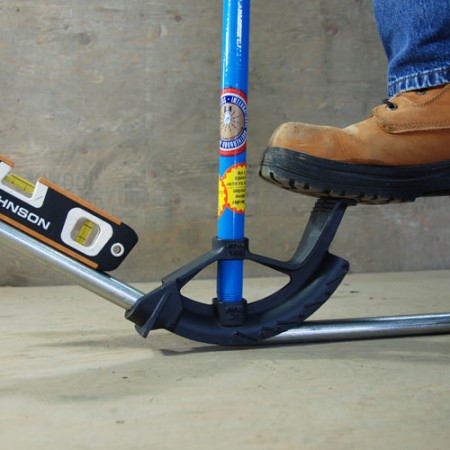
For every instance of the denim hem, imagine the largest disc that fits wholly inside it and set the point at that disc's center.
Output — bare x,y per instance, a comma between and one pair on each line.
418,81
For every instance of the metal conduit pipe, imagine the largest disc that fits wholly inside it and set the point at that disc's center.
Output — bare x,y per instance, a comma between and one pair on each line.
126,296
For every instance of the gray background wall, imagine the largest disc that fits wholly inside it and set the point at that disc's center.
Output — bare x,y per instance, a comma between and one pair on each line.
118,102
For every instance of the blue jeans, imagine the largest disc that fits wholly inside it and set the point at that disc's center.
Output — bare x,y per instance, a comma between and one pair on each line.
416,38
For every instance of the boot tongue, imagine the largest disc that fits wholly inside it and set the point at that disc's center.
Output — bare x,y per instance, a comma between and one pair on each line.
415,111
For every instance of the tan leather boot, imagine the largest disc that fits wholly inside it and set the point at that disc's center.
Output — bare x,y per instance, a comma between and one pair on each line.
401,152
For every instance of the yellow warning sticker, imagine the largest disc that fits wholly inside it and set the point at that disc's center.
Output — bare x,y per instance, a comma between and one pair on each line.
222,197
232,189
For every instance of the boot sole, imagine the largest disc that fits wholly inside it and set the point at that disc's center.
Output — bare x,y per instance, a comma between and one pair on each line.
377,185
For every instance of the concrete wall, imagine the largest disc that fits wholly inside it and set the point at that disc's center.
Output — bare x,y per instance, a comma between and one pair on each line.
118,102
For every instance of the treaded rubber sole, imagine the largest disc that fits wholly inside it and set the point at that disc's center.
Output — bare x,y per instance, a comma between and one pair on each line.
377,185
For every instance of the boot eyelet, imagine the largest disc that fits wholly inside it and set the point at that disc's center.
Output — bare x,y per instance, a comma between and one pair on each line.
390,105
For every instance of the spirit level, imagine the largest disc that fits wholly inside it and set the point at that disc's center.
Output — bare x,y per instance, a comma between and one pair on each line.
65,222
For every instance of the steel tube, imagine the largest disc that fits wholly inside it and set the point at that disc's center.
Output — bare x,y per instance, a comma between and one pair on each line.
100,283
365,328
126,296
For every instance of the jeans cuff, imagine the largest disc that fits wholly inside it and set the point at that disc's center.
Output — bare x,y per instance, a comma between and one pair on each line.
418,81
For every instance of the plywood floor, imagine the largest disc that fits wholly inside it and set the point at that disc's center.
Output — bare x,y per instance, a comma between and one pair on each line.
75,375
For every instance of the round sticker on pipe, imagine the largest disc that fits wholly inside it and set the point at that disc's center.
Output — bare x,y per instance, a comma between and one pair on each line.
233,122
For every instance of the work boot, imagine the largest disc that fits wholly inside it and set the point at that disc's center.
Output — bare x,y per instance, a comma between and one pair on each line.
401,152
